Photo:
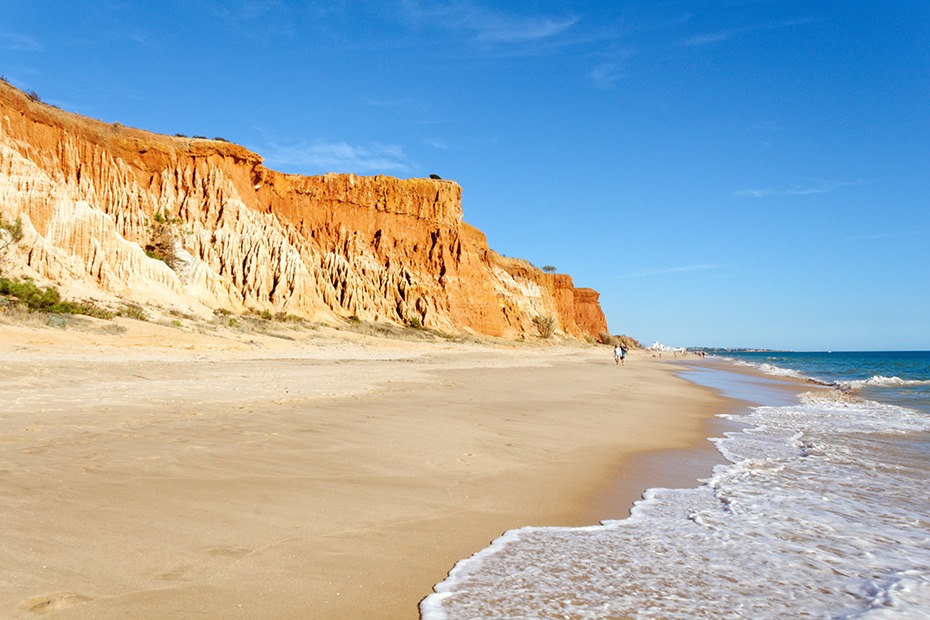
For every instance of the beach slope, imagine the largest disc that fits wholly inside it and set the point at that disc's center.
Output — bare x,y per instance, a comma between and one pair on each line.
151,471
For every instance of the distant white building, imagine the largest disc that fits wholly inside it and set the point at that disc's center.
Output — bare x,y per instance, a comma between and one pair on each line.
661,348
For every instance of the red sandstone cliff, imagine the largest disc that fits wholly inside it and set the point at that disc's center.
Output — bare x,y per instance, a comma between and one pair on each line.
223,231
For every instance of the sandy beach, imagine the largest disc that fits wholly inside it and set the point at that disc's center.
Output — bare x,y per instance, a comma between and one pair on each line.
155,471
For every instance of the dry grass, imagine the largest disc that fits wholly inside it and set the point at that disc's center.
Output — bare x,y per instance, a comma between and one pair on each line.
284,327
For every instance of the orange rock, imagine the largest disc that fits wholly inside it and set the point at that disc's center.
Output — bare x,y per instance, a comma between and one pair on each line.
225,232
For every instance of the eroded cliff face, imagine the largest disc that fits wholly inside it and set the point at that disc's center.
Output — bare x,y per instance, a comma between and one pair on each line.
198,225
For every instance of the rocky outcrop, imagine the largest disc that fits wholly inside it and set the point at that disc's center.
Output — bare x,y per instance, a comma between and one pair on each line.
589,317
198,225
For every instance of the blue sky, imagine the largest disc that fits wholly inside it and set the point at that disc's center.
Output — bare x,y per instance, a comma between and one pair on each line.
742,173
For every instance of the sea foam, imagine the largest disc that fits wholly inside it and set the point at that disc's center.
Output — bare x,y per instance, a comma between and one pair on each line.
822,511
880,381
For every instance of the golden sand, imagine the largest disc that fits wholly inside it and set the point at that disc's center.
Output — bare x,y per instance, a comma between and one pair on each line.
160,472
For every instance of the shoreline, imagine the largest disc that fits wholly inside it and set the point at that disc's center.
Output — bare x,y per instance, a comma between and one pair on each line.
332,474
669,467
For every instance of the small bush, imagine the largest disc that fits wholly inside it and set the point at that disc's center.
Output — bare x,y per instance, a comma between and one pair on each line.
11,233
161,218
133,311
89,309
548,269
182,315
414,322
545,325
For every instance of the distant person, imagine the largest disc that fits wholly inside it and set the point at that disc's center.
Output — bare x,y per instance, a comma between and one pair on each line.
617,353
622,354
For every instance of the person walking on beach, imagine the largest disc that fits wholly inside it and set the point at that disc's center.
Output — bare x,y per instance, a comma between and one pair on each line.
619,354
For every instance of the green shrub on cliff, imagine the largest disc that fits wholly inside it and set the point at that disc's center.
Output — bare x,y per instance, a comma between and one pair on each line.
47,299
164,230
545,326
10,234
25,292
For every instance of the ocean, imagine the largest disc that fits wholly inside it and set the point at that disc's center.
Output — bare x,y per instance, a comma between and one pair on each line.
821,512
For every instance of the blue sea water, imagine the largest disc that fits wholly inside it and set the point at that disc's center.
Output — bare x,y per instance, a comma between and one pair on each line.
821,512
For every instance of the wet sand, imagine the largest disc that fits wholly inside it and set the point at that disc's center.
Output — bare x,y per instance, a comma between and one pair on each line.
159,472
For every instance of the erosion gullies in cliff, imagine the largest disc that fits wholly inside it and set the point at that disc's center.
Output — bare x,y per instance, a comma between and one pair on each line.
198,225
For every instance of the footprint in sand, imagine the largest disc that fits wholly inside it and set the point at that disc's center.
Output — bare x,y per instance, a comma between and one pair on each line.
53,602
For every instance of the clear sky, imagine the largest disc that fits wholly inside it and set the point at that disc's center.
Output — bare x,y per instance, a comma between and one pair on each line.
733,173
